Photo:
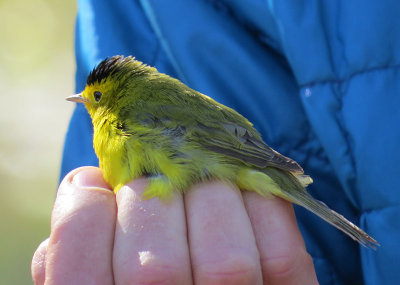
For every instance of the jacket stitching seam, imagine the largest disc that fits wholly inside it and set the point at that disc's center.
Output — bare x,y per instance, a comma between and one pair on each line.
351,76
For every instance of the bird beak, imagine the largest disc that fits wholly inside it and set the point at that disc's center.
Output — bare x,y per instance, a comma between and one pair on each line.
77,98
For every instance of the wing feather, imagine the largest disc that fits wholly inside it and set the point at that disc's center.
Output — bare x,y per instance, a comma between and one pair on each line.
210,124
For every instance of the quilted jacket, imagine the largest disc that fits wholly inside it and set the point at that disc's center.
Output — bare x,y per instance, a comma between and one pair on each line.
319,79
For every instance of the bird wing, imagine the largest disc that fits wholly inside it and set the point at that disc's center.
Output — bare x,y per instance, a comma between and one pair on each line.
184,112
223,134
239,142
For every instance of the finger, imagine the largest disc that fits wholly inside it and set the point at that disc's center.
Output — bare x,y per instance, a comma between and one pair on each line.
82,230
38,265
221,240
150,239
284,259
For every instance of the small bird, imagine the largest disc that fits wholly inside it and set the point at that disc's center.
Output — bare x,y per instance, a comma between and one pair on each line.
148,123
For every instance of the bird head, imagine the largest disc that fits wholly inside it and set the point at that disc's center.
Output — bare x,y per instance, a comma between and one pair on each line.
105,83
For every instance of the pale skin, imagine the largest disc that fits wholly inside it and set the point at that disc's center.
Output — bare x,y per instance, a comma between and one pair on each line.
214,234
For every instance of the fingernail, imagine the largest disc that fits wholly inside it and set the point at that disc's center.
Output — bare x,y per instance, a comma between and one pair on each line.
90,177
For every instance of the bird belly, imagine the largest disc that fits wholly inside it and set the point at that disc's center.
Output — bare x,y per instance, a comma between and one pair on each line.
114,164
168,169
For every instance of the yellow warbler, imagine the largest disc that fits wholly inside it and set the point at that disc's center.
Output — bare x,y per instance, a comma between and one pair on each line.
147,123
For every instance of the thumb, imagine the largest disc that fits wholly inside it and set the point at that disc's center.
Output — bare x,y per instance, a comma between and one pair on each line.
80,184
82,230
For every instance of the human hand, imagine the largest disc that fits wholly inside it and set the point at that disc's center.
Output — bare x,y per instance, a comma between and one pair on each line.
233,237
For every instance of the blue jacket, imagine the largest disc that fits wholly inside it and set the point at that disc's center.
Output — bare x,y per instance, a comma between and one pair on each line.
319,79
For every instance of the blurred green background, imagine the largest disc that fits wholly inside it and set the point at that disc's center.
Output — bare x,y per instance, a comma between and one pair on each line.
36,74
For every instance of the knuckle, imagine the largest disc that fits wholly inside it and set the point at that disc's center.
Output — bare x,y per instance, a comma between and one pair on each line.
37,274
236,270
38,267
285,264
156,272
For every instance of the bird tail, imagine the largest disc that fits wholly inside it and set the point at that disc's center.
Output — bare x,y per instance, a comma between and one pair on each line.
302,198
291,187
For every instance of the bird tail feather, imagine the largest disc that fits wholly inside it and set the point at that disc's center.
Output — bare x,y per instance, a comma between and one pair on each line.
302,198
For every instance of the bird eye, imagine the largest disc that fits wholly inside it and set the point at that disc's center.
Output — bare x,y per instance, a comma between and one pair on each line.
97,96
